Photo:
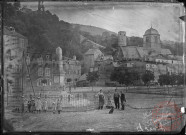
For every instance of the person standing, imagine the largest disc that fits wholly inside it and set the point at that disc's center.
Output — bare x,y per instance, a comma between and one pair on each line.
58,107
116,99
45,104
32,105
54,107
29,105
39,105
122,100
101,99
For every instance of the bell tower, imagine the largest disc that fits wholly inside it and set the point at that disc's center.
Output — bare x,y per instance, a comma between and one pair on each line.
122,39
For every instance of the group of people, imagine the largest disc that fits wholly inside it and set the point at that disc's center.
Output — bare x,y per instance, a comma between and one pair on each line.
119,98
37,105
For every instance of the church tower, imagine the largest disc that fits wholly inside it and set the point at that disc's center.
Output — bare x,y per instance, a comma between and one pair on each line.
151,39
122,39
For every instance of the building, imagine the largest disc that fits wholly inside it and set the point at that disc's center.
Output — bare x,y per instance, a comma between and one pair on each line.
15,46
149,57
90,57
51,72
104,66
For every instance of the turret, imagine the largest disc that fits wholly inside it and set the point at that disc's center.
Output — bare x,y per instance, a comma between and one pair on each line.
122,39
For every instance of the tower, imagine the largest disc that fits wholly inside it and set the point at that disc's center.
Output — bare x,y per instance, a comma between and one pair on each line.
122,39
151,39
60,63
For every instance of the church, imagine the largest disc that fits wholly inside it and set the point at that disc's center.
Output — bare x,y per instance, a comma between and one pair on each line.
151,56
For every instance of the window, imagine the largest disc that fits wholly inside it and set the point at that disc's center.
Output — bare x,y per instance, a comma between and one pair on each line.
156,39
47,57
39,82
69,79
40,61
48,82
47,71
40,72
147,65
147,39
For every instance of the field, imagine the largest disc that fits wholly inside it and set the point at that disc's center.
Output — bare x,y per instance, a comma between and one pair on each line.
99,120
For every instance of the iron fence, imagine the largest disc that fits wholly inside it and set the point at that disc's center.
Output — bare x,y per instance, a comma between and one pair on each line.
76,101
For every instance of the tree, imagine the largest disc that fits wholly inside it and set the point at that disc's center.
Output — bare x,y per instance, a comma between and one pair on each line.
180,79
147,77
92,77
164,79
124,77
173,78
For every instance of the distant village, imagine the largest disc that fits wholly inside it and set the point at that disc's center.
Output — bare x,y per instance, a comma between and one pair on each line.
54,71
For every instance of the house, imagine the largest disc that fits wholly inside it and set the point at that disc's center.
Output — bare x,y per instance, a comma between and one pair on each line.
51,72
15,46
90,57
149,57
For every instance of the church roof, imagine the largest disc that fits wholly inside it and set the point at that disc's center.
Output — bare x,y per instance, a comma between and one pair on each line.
151,31
131,52
134,52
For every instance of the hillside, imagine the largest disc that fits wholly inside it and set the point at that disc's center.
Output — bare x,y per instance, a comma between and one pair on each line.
92,29
45,32
175,47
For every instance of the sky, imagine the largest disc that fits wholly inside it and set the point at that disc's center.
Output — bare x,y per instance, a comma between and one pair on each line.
134,18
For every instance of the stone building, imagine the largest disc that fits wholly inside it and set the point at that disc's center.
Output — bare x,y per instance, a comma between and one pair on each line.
104,66
149,57
51,72
15,46
90,57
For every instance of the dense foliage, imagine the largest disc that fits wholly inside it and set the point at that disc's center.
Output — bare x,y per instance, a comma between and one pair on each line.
126,78
44,30
171,79
92,77
147,77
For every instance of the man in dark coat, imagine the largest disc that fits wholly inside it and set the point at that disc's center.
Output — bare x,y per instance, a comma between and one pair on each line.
122,100
116,99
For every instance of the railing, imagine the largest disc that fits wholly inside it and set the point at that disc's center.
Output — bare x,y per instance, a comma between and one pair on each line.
79,101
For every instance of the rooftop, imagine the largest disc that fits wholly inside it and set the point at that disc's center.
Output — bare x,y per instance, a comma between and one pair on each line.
10,31
151,31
